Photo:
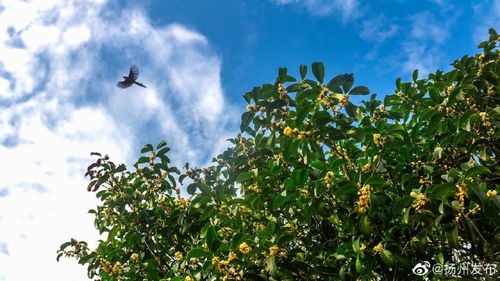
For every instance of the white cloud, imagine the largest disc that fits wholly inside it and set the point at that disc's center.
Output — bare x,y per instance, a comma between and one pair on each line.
58,102
348,9
420,56
425,26
378,29
487,14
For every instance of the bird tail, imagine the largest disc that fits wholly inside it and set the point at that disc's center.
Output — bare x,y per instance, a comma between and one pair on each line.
140,84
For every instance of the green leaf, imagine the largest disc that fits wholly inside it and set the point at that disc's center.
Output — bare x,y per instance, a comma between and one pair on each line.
387,258
282,74
415,75
364,225
476,171
191,189
440,191
435,96
318,70
360,268
375,180
161,144
246,118
346,190
147,148
359,90
113,232
344,80
452,237
243,176
303,71
196,253
142,159
320,165
279,201
211,235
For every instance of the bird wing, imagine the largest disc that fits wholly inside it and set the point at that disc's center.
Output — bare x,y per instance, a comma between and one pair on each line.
140,84
124,84
134,72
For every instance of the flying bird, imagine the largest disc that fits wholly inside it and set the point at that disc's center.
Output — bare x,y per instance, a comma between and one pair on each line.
130,79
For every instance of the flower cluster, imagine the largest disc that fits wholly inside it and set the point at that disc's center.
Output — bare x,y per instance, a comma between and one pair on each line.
344,100
134,257
281,90
367,167
115,269
460,194
304,192
251,108
379,140
420,202
329,177
231,272
178,256
182,203
491,193
378,248
364,198
296,133
485,118
244,248
254,188
273,250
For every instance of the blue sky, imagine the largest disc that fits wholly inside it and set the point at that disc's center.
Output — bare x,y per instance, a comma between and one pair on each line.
60,61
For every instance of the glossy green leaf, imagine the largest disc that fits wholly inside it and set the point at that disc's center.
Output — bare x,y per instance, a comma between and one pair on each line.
318,70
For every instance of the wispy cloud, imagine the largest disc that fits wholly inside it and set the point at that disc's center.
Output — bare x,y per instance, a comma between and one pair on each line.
487,14
59,63
348,9
378,29
426,26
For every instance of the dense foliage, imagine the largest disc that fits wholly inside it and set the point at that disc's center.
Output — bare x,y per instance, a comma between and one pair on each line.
317,188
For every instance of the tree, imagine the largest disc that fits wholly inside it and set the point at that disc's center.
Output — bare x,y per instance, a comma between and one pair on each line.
317,188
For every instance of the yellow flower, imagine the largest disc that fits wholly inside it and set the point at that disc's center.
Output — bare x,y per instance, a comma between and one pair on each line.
362,247
491,193
421,200
438,149
329,176
287,131
304,192
232,256
251,108
378,248
367,167
254,188
244,248
484,116
378,139
134,257
215,260
449,89
491,91
273,250
364,198
188,278
178,256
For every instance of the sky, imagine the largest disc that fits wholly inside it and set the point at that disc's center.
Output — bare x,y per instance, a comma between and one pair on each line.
60,61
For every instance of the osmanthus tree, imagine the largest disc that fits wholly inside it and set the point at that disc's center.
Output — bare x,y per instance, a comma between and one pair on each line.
317,188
